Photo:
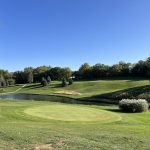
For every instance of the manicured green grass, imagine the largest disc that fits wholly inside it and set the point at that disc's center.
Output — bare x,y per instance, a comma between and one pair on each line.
84,89
21,127
48,125
9,89
88,89
67,112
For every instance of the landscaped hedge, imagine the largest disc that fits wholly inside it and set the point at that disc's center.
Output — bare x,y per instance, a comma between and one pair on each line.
133,105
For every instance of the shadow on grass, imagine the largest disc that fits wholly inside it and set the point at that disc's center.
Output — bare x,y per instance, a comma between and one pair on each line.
112,98
141,92
134,92
34,86
130,79
57,86
114,110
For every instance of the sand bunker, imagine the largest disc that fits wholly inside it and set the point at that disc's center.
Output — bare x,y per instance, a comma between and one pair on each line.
68,92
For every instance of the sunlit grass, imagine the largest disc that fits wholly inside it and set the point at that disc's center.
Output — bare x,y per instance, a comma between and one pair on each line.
25,130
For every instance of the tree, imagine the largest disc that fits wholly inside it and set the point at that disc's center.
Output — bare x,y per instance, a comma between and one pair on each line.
121,69
10,81
64,82
140,69
148,67
84,70
55,73
44,82
28,74
30,77
20,77
84,67
42,69
2,81
28,69
99,70
58,73
49,79
70,81
65,73
5,74
40,72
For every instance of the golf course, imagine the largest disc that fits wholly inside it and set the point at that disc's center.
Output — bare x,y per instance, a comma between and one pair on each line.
43,124
74,75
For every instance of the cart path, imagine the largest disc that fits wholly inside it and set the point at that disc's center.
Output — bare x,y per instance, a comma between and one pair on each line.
14,91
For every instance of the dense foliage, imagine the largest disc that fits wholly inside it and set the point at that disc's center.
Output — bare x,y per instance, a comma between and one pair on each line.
70,81
64,82
6,78
140,69
133,105
35,75
30,75
44,82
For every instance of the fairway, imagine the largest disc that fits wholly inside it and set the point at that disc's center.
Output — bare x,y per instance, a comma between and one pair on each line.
74,75
36,124
86,89
49,124
66,112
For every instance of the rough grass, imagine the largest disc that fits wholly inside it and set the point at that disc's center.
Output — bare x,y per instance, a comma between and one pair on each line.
19,130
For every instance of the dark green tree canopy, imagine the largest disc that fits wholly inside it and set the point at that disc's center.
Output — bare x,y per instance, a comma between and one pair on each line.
121,69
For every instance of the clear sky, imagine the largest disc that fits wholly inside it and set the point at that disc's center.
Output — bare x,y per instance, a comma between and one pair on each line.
71,32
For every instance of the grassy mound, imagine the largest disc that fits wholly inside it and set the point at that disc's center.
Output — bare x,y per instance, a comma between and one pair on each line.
67,112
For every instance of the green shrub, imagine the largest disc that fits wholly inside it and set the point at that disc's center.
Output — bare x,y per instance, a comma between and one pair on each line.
44,82
49,79
64,82
3,83
11,81
133,105
70,81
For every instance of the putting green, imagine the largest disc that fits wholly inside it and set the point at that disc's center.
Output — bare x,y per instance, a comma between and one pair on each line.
68,112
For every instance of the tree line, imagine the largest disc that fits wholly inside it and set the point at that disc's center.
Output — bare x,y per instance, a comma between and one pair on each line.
42,73
121,69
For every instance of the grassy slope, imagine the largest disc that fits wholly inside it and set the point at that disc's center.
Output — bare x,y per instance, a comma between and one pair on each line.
9,89
19,130
88,89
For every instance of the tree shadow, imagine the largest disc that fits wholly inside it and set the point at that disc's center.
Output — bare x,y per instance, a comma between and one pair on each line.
126,93
128,78
57,86
114,110
140,92
34,86
111,98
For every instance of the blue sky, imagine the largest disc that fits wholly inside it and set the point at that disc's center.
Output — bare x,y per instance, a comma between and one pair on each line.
71,32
